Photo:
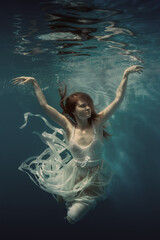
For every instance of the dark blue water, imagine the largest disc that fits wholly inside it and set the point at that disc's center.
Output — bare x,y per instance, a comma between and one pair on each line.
88,46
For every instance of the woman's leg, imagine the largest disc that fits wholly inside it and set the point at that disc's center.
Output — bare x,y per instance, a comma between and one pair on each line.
77,211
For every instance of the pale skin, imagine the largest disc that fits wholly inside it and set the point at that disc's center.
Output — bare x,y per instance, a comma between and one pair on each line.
83,132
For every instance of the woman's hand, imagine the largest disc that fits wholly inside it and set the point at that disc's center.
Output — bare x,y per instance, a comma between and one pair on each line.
134,69
23,80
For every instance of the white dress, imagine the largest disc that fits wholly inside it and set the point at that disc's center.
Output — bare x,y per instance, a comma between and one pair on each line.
77,174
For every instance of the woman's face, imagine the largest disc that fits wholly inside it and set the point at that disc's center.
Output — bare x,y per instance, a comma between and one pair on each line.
82,110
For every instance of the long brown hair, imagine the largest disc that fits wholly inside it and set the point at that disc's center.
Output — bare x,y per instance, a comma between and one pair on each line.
68,104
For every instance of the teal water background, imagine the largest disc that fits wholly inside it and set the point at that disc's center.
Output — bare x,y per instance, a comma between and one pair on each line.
88,46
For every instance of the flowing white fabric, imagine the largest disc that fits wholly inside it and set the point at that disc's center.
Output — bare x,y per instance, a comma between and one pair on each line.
56,171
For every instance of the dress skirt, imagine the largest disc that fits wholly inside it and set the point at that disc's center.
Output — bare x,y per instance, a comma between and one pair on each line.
55,170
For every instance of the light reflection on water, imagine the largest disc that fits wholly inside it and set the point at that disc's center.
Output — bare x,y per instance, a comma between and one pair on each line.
77,31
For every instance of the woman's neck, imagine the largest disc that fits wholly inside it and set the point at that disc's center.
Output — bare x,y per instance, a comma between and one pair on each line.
82,123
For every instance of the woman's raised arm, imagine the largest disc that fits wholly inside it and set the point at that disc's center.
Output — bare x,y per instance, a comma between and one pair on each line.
52,112
109,110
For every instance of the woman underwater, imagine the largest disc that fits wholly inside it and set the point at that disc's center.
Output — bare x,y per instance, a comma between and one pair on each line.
79,178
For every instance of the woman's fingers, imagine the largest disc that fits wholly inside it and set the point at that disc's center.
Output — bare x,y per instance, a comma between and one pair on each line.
15,81
139,69
18,80
21,80
135,69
